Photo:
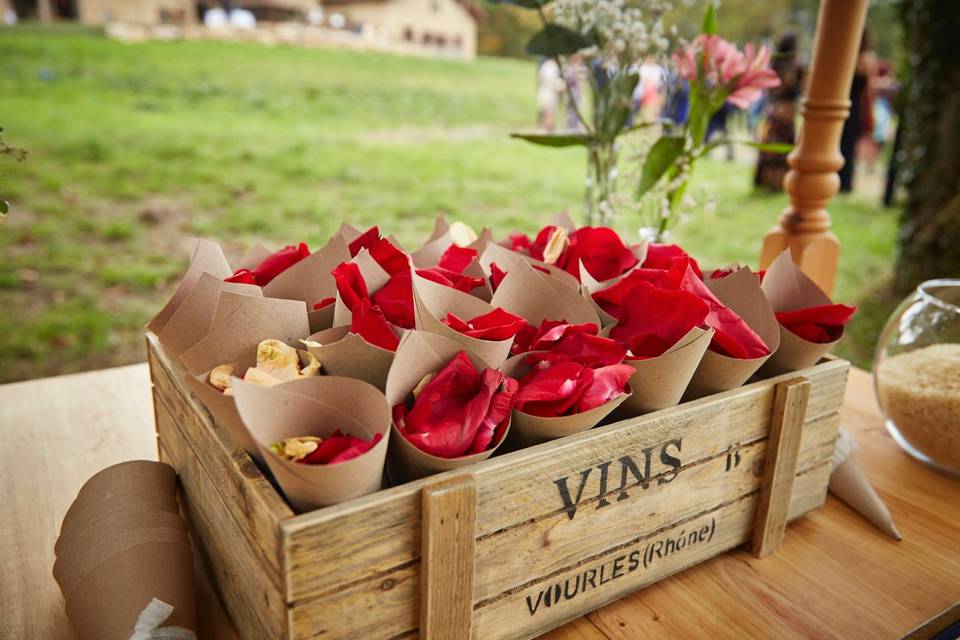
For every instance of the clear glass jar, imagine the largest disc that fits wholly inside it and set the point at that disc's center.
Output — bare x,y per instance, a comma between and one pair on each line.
916,374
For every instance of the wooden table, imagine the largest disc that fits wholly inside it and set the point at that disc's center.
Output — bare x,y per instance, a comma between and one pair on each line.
836,576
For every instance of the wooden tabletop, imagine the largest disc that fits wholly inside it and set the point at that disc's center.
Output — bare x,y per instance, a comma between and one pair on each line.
835,577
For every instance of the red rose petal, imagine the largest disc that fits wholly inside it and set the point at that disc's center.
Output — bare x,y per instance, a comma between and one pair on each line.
338,447
600,249
456,258
583,348
821,324
395,299
324,303
390,258
496,276
369,323
494,325
554,390
608,383
364,240
661,256
271,266
652,319
350,284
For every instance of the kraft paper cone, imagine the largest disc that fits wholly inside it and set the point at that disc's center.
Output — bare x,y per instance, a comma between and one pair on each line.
240,323
660,382
108,600
122,522
480,244
421,353
537,297
373,275
310,279
440,239
484,291
222,407
564,221
506,258
528,430
144,474
432,303
850,485
322,318
741,292
349,232
94,513
192,319
254,256
347,355
70,568
205,257
318,406
788,289
589,285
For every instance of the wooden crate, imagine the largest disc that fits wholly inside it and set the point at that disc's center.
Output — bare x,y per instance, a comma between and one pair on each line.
518,544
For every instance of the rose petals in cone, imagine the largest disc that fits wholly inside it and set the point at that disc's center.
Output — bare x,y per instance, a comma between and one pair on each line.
464,422
272,266
494,325
459,411
810,323
318,406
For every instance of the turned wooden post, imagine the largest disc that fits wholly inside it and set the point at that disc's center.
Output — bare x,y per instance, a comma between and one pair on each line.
812,180
45,10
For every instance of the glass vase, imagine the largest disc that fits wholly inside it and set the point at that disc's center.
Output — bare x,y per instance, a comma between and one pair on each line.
917,374
600,184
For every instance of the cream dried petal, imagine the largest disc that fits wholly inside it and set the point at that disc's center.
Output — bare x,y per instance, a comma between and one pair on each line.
462,234
299,448
312,366
424,381
556,245
220,377
261,377
278,359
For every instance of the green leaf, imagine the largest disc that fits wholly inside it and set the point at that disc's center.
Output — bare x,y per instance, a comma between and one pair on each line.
618,104
559,139
769,147
526,4
554,40
710,25
4,207
663,154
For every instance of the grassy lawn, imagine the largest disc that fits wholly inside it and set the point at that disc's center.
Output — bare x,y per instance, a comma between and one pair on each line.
134,147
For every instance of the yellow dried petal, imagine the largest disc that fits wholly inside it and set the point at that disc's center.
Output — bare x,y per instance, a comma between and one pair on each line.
312,366
417,390
220,377
555,245
296,448
462,234
278,359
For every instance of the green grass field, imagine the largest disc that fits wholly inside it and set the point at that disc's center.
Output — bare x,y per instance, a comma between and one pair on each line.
134,147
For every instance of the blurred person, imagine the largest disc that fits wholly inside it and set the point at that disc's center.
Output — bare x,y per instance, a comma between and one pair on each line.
571,76
860,121
549,87
676,101
717,126
650,88
781,113
882,91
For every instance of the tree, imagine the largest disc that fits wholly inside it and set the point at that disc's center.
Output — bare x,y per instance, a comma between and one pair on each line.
929,242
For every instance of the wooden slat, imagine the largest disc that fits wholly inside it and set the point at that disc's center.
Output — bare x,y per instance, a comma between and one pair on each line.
389,520
783,451
248,591
235,476
447,557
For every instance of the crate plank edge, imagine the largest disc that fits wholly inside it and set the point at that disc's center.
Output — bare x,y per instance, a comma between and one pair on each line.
559,529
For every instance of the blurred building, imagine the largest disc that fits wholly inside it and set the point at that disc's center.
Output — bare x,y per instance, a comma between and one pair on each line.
433,27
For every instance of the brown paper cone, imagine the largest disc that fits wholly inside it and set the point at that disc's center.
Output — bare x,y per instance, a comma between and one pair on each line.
484,291
421,353
429,254
222,407
528,430
432,303
318,406
107,601
348,355
373,275
240,324
506,258
69,568
660,382
94,513
205,257
349,232
321,319
564,221
310,279
133,474
537,297
848,483
121,522
788,289
741,292
480,244
192,319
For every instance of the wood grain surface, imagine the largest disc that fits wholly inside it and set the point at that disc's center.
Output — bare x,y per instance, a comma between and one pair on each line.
835,576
